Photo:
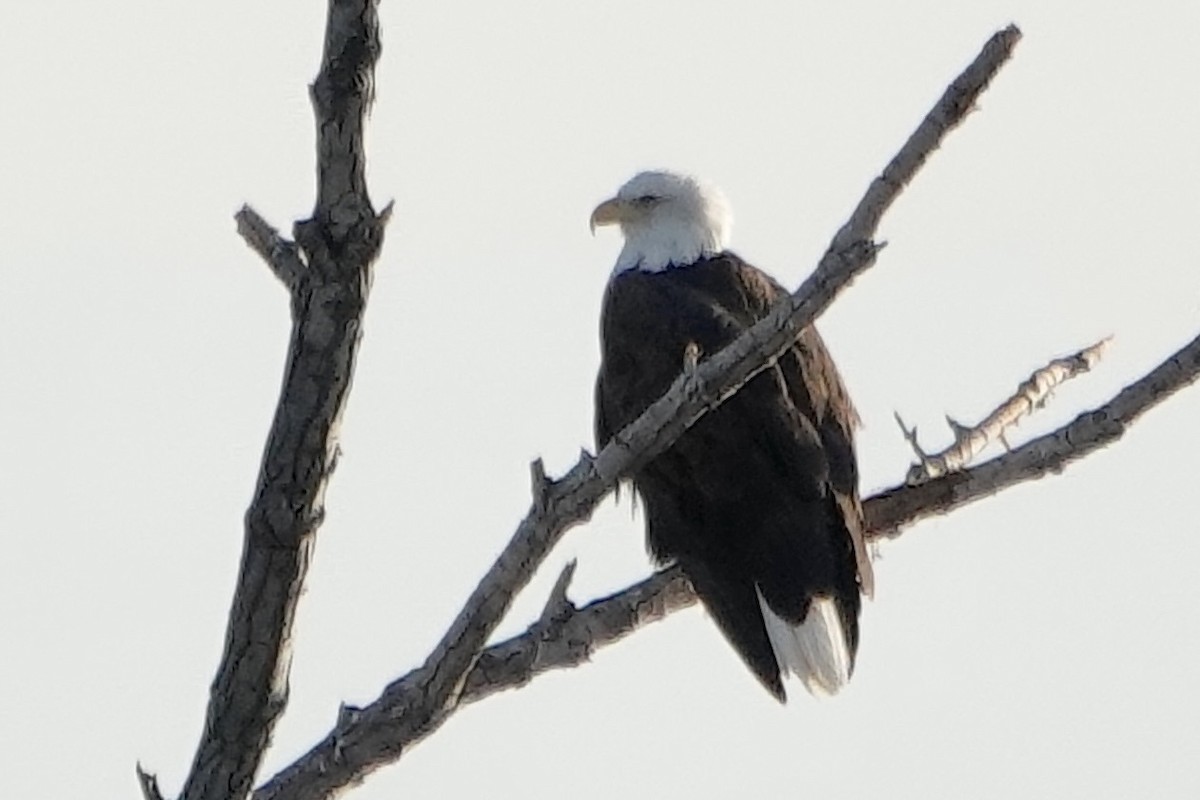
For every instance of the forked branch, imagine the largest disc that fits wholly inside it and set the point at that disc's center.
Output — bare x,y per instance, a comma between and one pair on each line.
513,663
888,511
577,633
970,441
411,708
327,272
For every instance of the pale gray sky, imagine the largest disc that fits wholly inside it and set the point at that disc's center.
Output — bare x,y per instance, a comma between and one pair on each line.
1039,644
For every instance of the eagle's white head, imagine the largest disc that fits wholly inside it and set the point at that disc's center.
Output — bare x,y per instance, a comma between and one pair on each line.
668,219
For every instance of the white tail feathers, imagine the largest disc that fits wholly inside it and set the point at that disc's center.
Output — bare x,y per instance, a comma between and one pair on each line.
815,650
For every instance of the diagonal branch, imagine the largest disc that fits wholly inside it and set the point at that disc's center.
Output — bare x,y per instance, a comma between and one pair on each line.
888,511
575,634
328,274
579,633
1029,396
409,710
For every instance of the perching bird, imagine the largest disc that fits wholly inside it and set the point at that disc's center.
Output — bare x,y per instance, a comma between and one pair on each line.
758,501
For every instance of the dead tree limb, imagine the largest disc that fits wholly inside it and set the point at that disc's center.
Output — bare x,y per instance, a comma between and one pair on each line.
327,272
1046,454
971,440
411,708
572,635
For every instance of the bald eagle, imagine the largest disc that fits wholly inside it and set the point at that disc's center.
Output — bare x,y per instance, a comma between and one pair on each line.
758,501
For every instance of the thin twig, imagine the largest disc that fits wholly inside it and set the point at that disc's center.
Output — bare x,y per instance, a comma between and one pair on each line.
1031,395
557,603
1046,454
282,255
412,708
149,784
539,484
910,436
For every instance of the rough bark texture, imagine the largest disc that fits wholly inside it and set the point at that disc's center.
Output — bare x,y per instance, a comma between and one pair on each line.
327,272
413,707
970,441
566,636
1042,456
328,275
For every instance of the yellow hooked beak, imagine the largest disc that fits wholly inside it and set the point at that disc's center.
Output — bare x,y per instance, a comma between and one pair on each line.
610,212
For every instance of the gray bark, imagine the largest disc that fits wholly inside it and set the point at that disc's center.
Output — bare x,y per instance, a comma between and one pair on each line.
327,271
411,708
328,275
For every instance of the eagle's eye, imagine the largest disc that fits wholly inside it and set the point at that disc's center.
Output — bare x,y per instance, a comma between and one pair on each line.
646,200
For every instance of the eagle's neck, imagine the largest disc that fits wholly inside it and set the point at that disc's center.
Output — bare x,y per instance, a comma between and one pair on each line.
667,243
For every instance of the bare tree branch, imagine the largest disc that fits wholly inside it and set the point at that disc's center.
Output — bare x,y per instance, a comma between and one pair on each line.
579,633
576,635
411,708
969,442
888,511
149,785
558,604
281,255
569,636
328,288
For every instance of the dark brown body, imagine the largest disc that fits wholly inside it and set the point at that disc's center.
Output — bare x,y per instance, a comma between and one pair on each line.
763,490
